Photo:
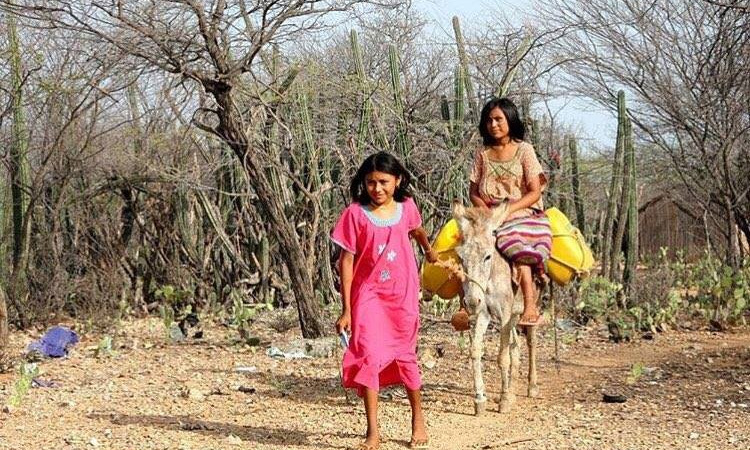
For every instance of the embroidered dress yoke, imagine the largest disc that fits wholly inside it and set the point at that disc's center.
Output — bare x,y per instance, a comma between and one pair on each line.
384,297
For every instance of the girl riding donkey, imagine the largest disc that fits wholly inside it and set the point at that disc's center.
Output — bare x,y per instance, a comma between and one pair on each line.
380,289
507,170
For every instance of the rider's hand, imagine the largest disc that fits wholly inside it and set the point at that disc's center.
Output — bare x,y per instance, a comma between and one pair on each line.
431,256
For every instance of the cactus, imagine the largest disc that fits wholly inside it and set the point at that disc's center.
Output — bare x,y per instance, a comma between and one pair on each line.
19,164
464,62
403,144
20,182
368,119
185,222
622,213
631,254
445,110
576,184
312,164
562,193
614,189
6,214
459,112
520,52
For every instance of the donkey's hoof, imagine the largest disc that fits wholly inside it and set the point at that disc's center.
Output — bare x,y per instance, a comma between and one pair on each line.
480,407
533,392
506,404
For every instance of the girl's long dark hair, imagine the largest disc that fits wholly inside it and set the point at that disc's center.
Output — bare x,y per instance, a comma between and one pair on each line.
380,162
516,130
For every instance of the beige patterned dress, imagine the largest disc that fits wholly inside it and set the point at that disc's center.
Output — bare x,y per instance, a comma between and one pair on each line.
499,181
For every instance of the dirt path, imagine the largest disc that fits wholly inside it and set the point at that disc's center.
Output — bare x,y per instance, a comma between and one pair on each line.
694,393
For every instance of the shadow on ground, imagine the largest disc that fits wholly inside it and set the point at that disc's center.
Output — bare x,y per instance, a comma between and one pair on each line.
259,434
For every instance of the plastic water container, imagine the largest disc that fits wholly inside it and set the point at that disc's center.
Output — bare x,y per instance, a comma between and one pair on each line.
570,255
439,280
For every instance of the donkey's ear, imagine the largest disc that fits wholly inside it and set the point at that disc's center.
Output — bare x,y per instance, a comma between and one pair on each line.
459,210
500,212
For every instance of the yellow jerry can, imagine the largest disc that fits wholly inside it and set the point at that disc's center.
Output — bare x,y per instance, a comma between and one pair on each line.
440,280
570,255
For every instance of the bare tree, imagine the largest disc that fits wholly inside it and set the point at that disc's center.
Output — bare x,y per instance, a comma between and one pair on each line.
217,45
684,65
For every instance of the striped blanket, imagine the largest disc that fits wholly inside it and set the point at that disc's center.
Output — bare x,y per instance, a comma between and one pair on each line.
526,240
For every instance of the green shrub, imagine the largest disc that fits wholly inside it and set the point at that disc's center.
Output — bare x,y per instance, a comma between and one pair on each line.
718,291
596,296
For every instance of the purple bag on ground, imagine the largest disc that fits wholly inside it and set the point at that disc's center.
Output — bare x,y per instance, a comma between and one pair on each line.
55,342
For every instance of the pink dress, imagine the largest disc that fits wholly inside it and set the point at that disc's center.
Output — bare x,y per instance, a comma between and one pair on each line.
384,297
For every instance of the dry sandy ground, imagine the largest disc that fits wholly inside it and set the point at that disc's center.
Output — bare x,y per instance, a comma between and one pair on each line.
693,393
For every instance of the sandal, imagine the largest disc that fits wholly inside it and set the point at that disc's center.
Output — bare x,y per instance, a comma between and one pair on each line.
422,444
532,323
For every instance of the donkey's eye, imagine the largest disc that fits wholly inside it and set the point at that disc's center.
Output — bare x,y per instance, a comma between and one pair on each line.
487,258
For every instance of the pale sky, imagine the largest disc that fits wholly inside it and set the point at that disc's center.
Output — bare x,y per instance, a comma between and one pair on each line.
596,124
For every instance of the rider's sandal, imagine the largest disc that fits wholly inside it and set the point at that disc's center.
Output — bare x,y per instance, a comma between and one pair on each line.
532,323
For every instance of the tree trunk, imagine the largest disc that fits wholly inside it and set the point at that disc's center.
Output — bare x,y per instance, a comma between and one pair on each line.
4,332
300,275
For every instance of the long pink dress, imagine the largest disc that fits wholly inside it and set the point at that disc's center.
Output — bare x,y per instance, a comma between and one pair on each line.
384,297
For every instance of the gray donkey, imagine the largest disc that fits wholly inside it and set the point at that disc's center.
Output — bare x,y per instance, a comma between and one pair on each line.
489,294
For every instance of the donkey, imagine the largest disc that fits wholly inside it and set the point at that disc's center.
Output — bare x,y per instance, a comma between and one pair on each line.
489,294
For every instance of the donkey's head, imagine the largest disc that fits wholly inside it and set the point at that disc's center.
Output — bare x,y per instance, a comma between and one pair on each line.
477,249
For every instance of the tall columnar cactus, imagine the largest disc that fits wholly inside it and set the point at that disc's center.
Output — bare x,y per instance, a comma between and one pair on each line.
366,112
562,193
464,62
513,65
368,118
459,110
185,222
631,236
622,213
576,184
19,163
614,188
403,144
265,270
311,153
19,180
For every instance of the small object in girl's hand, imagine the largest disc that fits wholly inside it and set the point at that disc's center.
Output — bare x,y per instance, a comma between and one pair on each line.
344,339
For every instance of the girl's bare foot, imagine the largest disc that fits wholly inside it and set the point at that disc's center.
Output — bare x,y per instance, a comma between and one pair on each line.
370,443
419,438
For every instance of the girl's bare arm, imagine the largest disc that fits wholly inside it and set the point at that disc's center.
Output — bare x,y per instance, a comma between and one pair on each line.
534,187
474,196
346,269
420,235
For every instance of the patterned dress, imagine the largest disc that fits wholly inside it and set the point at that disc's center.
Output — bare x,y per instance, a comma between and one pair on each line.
384,297
499,181
525,237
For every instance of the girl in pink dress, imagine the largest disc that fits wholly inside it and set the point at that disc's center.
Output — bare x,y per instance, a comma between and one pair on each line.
380,289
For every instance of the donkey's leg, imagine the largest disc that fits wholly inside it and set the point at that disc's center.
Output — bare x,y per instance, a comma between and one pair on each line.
507,398
515,357
477,350
533,389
